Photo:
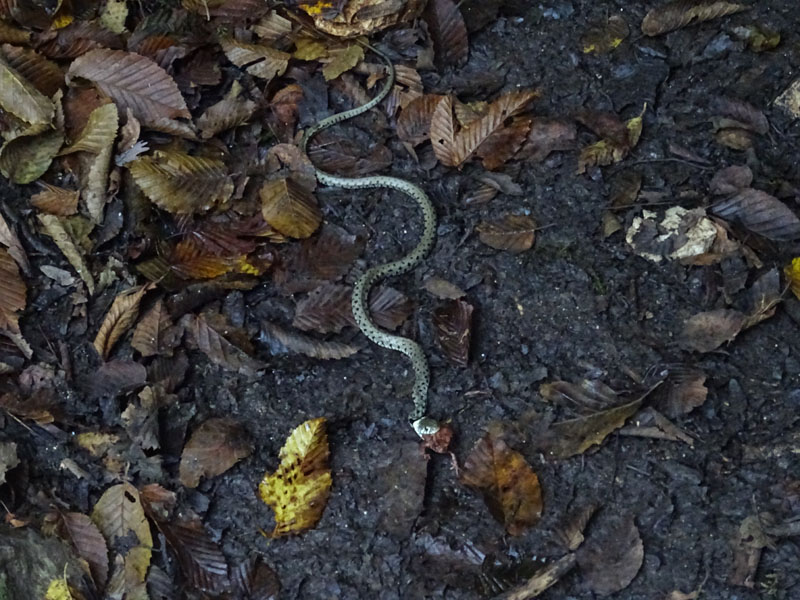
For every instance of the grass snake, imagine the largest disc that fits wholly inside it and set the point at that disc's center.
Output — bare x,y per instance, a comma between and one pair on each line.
422,424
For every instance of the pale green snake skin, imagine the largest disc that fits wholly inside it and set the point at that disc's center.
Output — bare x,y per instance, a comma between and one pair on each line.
421,423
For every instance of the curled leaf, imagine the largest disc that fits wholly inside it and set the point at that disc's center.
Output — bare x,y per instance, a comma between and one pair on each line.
54,227
118,319
509,486
680,13
12,292
20,97
283,340
298,490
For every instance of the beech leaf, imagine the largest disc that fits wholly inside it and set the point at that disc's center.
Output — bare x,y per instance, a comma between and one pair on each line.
514,233
214,447
290,208
118,319
119,512
12,292
680,13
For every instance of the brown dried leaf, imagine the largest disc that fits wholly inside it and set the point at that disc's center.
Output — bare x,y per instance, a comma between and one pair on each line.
132,81
680,13
738,113
140,419
290,208
325,309
10,240
448,31
180,183
231,111
762,298
11,34
443,289
360,17
56,200
453,323
452,150
12,292
26,158
256,580
265,62
98,133
612,556
283,340
45,75
298,490
201,560
218,349
546,136
682,391
54,227
509,486
414,122
707,331
761,213
730,180
213,448
587,395
119,318
155,334
89,544
346,157
116,377
119,512
514,233
330,254
19,97
273,28
503,144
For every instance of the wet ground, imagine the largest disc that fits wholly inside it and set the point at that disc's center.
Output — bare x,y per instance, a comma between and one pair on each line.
575,305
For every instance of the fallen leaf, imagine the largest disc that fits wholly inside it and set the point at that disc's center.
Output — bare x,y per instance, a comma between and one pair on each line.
88,542
605,37
290,208
762,298
792,273
683,390
360,17
588,395
26,158
115,377
119,318
54,227
132,81
342,60
747,547
612,556
140,419
545,137
129,572
453,323
514,233
59,589
283,340
414,122
497,149
740,114
45,75
8,459
256,580
204,337
680,13
443,289
20,97
761,213
214,447
114,15
264,62
98,133
707,331
570,532
119,512
788,100
180,183
12,292
731,180
509,486
448,31
230,112
201,560
681,235
155,333
298,490
56,200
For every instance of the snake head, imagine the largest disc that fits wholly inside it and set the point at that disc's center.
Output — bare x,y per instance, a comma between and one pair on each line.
425,426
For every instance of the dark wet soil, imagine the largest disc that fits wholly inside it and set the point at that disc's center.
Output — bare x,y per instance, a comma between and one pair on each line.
574,306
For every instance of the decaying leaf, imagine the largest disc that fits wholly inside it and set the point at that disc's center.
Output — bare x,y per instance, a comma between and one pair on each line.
546,136
443,289
204,337
229,112
12,292
612,555
8,459
342,60
118,319
88,542
453,323
132,81
414,122
214,447
792,273
264,62
618,139
19,97
180,183
200,558
514,233
56,200
747,545
290,208
54,227
140,419
761,213
360,17
24,159
115,377
605,37
298,490
282,340
680,13
509,486
708,330
448,31
730,180
119,512
681,235
682,391
155,333
789,99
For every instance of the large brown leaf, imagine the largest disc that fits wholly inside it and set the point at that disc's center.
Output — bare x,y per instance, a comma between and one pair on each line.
119,512
214,447
201,560
680,13
290,208
283,340
155,333
133,81
88,542
612,556
761,213
453,322
514,233
448,31
45,75
216,347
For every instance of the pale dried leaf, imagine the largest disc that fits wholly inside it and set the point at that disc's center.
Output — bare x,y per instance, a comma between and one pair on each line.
680,13
218,349
514,233
213,448
98,133
20,98
708,330
226,114
119,512
265,62
54,227
45,75
155,332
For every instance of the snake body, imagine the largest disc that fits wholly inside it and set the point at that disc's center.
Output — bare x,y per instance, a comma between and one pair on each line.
421,423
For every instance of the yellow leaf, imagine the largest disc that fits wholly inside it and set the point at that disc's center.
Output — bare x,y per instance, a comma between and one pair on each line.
342,61
180,183
96,443
316,8
307,48
114,15
792,272
119,318
98,133
58,590
54,227
298,490
634,127
290,208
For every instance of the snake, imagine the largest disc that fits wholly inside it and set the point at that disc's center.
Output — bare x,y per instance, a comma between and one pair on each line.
422,424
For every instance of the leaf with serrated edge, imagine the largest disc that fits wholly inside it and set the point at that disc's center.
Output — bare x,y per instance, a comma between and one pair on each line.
229,112
342,61
98,133
180,183
298,490
132,81
24,159
20,98
214,447
218,349
118,319
281,340
265,62
89,544
54,227
290,208
56,200
155,332
680,13
119,512
45,75
11,241
514,233
12,292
